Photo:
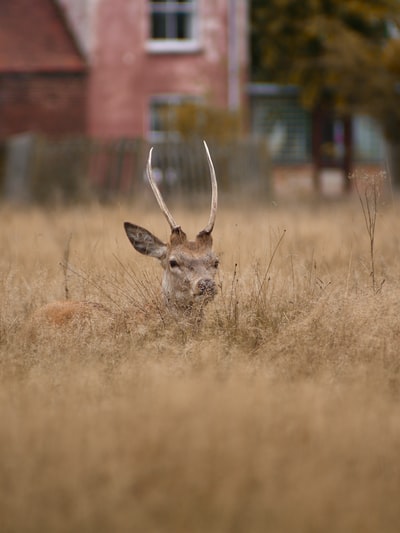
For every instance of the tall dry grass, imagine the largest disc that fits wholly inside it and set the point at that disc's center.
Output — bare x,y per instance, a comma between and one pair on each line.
281,413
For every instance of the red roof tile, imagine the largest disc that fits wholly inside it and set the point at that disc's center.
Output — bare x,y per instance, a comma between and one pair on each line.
34,37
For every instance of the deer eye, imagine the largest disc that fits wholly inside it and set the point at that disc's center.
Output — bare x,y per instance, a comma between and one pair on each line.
173,263
216,263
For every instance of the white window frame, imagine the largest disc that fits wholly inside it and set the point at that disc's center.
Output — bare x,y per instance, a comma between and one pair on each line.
175,45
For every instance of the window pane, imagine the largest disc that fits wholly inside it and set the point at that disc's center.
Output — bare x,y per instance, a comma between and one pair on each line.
158,26
172,19
183,23
171,25
156,116
162,116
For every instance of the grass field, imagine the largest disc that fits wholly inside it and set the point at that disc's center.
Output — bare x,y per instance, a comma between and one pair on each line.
280,413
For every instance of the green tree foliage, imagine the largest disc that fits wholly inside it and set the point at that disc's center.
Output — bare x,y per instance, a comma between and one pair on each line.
342,52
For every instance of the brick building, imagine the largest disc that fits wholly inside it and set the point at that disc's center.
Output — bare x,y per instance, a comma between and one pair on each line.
146,55
42,72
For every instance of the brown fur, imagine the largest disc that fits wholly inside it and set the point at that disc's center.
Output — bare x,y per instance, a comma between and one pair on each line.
62,313
189,266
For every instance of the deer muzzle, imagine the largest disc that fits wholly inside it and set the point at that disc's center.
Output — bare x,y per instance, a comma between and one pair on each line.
206,287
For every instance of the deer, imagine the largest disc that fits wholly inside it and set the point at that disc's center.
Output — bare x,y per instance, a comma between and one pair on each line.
189,266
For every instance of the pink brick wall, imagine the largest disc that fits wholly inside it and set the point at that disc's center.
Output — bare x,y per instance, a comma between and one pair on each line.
52,104
124,74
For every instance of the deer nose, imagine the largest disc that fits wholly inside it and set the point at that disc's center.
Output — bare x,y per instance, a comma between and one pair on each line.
206,287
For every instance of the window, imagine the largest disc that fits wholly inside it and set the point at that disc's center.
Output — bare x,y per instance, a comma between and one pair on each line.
165,132
285,124
164,115
173,26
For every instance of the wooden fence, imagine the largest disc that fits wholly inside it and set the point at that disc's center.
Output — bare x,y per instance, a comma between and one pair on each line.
77,168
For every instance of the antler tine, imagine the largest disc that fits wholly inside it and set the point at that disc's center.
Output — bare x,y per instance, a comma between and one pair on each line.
214,193
173,225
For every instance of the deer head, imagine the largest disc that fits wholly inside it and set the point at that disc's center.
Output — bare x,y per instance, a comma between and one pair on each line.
189,266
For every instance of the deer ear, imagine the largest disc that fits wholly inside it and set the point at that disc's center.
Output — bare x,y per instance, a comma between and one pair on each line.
145,242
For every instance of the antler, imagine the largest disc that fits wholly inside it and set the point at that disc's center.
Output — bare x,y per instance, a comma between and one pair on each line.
214,194
173,225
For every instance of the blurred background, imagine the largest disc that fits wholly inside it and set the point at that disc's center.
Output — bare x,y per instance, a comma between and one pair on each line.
292,97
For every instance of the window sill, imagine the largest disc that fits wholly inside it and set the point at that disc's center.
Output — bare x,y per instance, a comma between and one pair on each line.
172,46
